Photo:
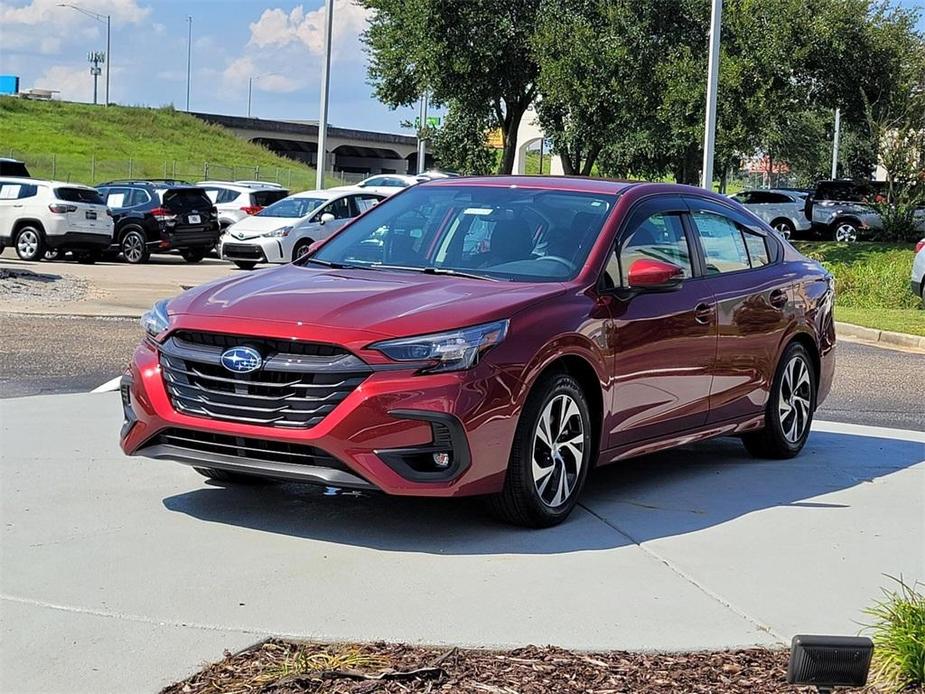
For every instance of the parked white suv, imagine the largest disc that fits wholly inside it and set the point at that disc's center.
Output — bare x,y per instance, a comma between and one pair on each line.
236,200
38,216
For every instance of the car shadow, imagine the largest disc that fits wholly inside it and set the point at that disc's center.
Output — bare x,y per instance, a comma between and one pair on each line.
661,495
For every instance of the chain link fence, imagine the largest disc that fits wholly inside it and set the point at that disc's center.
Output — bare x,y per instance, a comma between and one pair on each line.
93,171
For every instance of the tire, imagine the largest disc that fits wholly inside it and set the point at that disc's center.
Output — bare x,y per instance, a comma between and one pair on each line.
790,409
30,243
845,231
229,476
784,227
301,248
193,255
245,264
134,246
538,495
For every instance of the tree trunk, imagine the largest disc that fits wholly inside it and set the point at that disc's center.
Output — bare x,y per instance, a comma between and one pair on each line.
514,112
590,160
567,168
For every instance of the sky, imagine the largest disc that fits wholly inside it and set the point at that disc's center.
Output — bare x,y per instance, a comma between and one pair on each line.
278,43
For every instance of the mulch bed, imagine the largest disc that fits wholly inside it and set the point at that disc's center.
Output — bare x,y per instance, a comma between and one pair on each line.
285,667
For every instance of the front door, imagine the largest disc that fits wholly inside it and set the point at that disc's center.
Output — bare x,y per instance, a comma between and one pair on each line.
665,340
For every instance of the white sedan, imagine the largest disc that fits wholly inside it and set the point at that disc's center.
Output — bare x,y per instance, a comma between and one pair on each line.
284,231
384,184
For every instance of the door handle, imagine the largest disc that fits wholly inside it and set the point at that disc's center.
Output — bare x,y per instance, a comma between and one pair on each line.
778,298
703,313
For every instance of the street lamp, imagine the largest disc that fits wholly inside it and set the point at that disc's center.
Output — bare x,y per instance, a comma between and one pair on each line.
189,56
103,18
95,58
250,87
709,134
325,85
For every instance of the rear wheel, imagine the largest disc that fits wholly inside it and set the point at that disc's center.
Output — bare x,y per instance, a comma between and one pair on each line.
134,246
784,227
790,408
229,476
30,244
245,264
193,255
845,231
550,456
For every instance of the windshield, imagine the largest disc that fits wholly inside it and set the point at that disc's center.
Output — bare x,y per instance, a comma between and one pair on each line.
514,234
291,207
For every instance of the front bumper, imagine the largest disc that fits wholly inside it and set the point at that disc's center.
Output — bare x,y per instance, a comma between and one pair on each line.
373,439
261,249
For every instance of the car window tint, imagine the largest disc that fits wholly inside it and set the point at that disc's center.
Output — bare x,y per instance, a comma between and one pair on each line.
139,197
757,249
212,193
364,202
87,195
658,237
30,191
340,208
723,245
374,181
226,195
744,198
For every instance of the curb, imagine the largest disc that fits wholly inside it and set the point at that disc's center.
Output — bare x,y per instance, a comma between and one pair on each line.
884,337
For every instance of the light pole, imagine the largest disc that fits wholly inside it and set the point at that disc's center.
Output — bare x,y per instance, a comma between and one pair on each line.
709,134
325,85
422,144
835,143
103,18
189,55
250,87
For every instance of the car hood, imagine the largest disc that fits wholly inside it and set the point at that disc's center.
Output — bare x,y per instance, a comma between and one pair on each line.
379,302
255,225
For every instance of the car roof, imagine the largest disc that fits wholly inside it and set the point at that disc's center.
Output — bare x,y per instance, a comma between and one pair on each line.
44,182
324,194
241,187
564,183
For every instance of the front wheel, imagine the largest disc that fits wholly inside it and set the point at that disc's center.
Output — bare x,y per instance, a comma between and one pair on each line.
550,457
193,255
784,227
30,245
790,408
134,247
301,249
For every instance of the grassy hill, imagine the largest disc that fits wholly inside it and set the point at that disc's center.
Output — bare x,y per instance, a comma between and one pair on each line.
89,144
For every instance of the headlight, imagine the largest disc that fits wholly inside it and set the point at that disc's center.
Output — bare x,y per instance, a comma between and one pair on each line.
156,320
453,351
279,233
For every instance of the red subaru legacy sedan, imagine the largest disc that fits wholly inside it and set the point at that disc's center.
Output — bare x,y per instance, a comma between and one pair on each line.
492,336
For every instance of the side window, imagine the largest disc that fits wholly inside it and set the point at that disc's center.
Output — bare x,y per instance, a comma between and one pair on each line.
28,191
340,208
743,198
118,197
757,249
723,243
10,191
658,237
226,195
374,181
364,202
212,193
139,197
776,198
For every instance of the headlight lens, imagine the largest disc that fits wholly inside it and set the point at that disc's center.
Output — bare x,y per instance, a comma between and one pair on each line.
156,320
280,233
453,351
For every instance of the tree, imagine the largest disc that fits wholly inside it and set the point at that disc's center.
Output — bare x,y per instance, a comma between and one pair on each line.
461,144
475,54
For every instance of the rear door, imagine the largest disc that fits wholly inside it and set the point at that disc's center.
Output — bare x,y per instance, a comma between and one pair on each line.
192,207
754,300
86,210
666,340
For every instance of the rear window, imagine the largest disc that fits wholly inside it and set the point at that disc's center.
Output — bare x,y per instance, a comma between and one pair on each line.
87,195
265,198
13,168
186,199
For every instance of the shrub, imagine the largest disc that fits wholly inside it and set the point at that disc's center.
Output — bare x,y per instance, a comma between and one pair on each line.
899,638
899,223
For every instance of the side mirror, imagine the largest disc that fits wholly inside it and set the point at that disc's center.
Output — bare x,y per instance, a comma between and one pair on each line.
326,217
647,273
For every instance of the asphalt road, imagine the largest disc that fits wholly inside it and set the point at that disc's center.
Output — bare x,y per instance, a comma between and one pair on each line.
39,354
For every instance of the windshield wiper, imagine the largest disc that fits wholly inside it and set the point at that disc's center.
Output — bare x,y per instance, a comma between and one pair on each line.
335,266
431,270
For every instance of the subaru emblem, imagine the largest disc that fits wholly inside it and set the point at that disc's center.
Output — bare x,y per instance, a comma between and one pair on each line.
241,360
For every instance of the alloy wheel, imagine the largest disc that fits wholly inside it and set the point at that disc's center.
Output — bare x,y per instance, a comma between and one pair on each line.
783,229
558,450
133,247
846,233
794,399
27,243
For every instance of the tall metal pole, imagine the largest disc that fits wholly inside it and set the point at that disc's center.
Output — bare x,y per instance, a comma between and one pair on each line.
189,56
108,54
709,135
835,143
250,84
422,143
325,85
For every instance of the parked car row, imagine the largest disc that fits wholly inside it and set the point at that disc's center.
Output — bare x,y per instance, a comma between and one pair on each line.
839,210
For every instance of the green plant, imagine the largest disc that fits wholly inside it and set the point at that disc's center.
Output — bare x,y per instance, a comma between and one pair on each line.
899,638
899,223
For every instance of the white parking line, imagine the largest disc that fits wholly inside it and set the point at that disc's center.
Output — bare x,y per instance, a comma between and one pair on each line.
109,386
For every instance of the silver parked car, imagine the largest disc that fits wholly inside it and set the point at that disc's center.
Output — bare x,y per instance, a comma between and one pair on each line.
235,201
284,231
785,210
844,210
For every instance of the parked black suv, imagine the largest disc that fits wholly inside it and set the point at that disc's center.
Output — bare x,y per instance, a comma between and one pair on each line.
160,215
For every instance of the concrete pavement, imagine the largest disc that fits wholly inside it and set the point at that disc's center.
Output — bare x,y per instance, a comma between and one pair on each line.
125,574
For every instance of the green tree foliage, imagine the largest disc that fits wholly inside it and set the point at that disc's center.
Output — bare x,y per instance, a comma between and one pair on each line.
476,54
460,145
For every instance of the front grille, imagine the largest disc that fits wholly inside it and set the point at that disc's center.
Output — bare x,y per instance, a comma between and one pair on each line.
255,450
298,384
242,250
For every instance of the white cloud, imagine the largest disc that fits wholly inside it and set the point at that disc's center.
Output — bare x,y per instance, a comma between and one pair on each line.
74,83
47,12
276,28
240,70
